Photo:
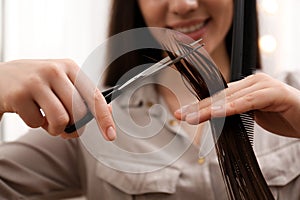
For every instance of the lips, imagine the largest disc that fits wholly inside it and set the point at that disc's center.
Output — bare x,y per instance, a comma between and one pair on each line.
191,28
195,29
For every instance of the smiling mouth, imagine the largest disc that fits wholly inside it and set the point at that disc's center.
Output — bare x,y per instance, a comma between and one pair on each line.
192,28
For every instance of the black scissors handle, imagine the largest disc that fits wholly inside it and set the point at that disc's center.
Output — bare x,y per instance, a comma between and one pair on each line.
109,94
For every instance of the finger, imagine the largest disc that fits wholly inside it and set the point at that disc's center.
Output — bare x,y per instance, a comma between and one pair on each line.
56,115
30,114
96,103
215,100
181,113
104,118
260,80
70,97
235,86
248,102
240,105
237,90
258,100
241,96
200,116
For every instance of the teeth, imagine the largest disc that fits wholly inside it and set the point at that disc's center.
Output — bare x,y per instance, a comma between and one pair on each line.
190,29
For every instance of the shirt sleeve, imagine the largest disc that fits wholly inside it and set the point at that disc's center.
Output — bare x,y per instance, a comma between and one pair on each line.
39,166
292,78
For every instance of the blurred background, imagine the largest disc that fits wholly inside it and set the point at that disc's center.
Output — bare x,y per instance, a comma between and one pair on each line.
72,29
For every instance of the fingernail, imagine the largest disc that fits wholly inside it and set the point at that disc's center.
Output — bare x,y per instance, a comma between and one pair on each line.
178,112
111,133
182,110
192,117
217,107
218,111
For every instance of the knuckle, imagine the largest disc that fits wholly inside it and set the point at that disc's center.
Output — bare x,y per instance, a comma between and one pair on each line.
58,126
62,120
52,132
251,78
69,64
260,77
232,104
232,108
249,100
33,81
53,69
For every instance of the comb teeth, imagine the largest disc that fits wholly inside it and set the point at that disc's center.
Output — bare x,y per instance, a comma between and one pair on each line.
248,122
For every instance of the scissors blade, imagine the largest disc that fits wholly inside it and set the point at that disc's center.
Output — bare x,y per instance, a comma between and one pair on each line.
165,62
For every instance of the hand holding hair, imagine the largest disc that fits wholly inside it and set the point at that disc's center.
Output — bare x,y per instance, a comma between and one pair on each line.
276,105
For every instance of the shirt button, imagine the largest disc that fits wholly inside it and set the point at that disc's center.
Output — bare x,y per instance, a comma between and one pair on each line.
173,122
149,104
201,160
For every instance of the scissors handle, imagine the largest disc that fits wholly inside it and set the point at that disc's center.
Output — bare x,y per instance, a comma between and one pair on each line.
109,94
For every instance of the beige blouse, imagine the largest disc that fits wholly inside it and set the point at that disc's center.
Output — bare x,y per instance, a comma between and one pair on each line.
145,162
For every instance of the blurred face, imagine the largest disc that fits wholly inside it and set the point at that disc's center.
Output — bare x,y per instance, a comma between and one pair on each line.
207,19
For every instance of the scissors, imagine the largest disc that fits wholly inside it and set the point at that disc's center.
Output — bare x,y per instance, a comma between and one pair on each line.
113,92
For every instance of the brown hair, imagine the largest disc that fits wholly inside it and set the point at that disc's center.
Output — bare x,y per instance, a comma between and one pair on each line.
126,15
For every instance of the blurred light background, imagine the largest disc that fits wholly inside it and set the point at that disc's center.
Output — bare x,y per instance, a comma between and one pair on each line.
72,29
279,35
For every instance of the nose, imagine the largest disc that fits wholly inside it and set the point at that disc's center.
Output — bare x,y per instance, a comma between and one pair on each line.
182,7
